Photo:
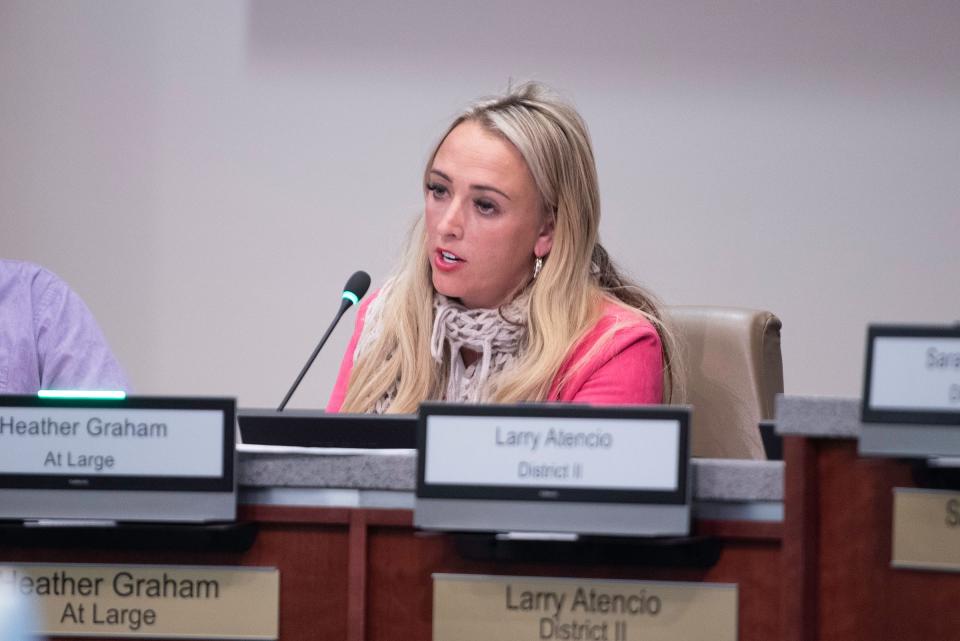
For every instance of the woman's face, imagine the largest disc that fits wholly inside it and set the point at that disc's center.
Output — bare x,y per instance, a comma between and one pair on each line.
484,219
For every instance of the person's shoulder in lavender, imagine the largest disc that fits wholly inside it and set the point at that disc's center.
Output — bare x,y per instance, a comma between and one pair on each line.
49,339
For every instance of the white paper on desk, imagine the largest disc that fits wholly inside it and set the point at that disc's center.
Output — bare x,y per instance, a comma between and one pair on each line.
253,448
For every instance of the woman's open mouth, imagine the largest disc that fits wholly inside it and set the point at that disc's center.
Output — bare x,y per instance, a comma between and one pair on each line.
446,260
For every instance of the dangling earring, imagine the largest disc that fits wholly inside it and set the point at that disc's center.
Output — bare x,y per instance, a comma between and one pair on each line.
537,266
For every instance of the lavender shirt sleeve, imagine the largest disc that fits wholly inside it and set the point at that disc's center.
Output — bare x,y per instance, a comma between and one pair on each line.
48,337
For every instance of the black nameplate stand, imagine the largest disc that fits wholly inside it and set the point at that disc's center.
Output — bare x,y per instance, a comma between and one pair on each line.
687,552
934,478
305,428
203,537
772,442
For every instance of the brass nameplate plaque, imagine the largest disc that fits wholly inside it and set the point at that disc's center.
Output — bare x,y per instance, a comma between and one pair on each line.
479,608
155,601
926,529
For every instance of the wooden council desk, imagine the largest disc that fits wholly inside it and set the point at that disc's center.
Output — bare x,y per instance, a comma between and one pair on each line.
339,529
837,537
808,543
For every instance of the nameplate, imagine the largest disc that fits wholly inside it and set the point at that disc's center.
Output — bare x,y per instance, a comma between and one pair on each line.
912,375
111,441
926,529
153,601
596,452
126,459
552,468
479,608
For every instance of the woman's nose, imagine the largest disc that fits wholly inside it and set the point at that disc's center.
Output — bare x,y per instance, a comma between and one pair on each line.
450,224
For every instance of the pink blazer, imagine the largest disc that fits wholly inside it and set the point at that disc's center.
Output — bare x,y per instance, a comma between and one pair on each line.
626,370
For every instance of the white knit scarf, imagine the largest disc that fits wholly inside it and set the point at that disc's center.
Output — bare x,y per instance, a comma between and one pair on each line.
497,335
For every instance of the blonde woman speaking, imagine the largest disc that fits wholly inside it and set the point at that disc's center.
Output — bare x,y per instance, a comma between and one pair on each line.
505,293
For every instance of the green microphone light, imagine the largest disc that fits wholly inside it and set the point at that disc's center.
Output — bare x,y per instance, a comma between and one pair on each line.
357,285
110,395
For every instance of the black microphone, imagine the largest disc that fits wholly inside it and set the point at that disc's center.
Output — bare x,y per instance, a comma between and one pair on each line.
357,285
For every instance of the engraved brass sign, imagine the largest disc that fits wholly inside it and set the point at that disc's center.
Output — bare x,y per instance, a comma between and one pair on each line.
479,608
926,529
155,601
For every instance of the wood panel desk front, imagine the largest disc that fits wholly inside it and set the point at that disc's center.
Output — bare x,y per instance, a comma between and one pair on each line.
837,537
353,567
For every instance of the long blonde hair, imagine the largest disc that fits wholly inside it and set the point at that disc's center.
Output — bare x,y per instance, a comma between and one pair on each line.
565,300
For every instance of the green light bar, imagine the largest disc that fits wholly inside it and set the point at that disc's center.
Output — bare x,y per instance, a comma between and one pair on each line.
350,296
114,395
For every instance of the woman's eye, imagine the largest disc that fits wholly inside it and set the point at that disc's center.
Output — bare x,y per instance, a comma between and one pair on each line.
485,207
437,190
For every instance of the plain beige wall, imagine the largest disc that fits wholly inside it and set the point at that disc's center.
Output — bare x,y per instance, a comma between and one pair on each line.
207,174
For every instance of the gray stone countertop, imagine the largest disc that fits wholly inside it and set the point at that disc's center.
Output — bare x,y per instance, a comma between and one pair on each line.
818,416
713,479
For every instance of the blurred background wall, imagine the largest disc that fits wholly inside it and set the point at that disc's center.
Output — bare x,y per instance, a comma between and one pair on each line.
207,174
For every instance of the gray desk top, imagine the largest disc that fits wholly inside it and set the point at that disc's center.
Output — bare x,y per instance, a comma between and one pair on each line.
818,416
713,479
716,482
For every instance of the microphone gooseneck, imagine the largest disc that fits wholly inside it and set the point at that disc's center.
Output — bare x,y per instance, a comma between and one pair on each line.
357,285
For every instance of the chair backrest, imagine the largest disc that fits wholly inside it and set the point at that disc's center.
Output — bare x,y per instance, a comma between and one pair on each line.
731,370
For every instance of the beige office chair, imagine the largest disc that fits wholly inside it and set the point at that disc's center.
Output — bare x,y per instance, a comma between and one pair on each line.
731,367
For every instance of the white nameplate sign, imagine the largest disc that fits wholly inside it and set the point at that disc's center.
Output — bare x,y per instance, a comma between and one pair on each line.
538,451
913,374
911,392
478,608
553,468
100,441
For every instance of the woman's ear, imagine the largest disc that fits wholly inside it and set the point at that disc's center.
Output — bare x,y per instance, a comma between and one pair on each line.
545,238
